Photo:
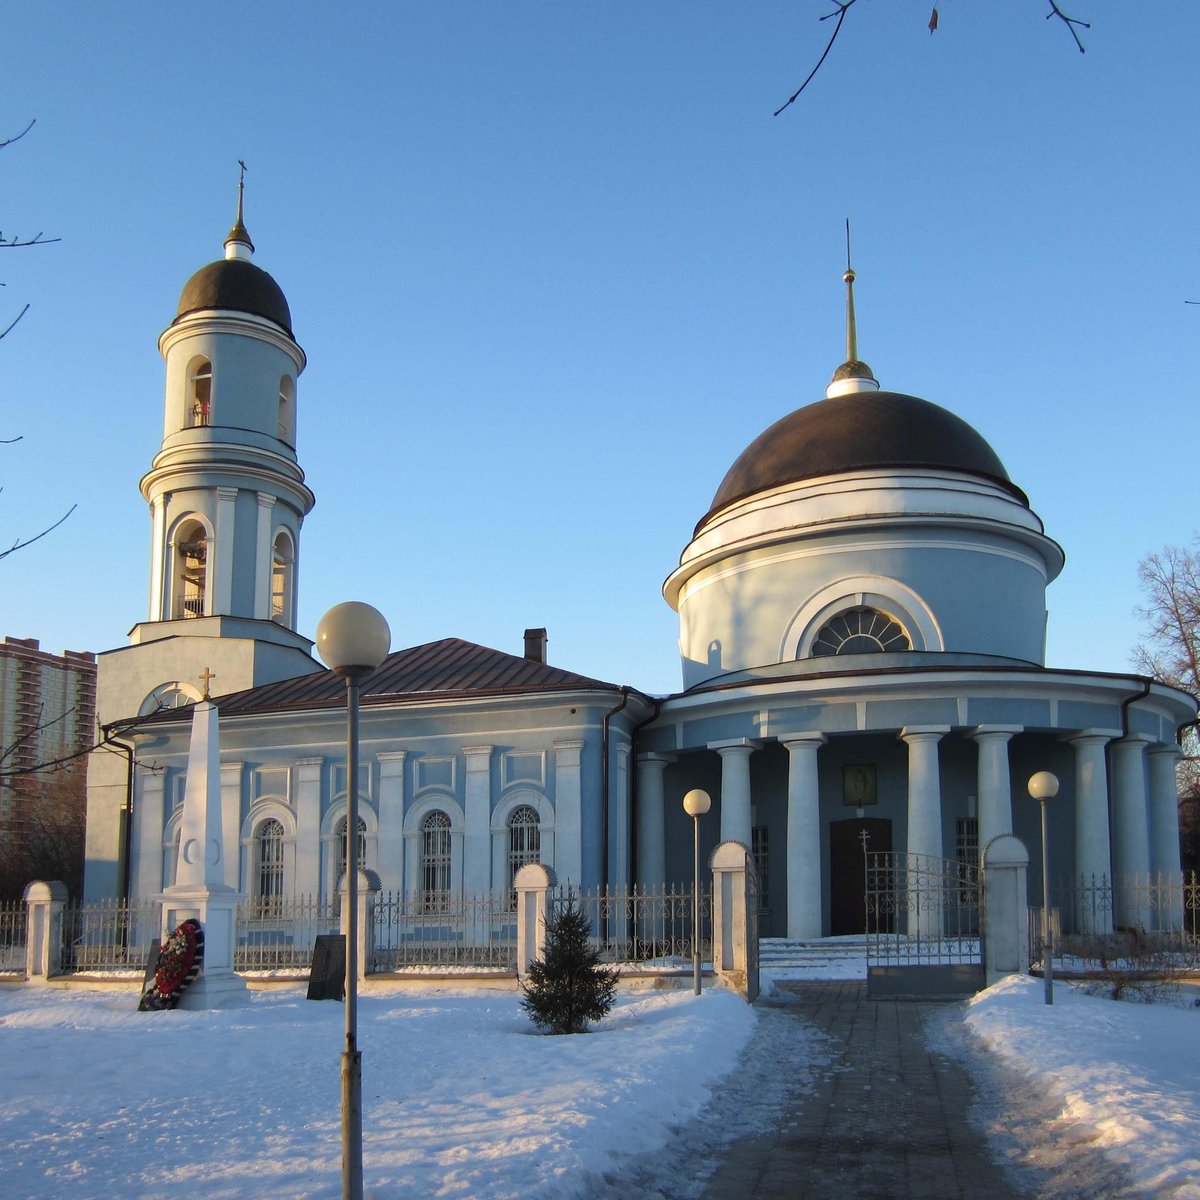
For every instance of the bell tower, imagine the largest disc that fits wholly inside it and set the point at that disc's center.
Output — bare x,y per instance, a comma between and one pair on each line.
227,496
227,499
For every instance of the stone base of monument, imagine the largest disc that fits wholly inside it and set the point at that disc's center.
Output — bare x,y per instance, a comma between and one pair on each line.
215,907
215,989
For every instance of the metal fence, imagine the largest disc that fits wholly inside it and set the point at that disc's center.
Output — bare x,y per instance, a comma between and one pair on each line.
279,935
921,910
473,929
632,925
12,938
108,935
468,930
1161,910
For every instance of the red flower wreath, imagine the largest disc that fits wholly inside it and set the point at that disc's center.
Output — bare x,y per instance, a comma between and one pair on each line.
179,962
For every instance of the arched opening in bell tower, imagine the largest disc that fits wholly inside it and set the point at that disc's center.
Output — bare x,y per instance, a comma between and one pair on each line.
190,557
199,407
283,557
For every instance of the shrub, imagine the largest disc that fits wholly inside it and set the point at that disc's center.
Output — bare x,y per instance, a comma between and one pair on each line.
568,989
1129,964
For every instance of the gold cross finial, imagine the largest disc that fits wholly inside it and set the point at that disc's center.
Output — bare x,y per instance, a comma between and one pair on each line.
206,677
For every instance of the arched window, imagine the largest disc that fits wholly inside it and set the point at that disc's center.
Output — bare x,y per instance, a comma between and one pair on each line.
268,864
340,844
287,410
860,631
190,554
281,580
435,861
200,392
524,840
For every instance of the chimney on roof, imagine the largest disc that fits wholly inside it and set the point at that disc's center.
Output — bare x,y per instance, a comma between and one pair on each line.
535,645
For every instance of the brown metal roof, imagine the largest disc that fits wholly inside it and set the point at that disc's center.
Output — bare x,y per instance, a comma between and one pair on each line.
438,670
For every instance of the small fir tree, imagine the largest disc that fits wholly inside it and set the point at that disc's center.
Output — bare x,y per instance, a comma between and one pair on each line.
569,988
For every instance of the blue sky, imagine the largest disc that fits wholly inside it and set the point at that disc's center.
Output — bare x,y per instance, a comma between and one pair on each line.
556,265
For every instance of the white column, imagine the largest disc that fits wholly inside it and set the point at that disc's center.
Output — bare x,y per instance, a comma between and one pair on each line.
222,582
148,848
263,559
924,788
158,556
232,774
1131,833
735,788
994,783
924,820
1093,868
568,814
308,829
1164,834
477,837
803,836
651,835
391,819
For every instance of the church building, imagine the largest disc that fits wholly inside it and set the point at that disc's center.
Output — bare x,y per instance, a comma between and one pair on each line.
862,626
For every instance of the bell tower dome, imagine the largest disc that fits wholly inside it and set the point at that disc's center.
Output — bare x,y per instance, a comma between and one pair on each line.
227,496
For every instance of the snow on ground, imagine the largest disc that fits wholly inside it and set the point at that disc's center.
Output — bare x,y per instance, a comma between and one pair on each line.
461,1096
1111,1076
1087,1098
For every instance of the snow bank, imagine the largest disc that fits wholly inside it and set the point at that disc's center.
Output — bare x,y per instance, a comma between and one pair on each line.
1127,1075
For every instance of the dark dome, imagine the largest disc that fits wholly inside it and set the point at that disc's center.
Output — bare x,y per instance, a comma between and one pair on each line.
856,431
237,285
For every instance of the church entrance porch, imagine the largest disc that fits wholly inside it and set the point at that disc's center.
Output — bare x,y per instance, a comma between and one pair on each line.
848,872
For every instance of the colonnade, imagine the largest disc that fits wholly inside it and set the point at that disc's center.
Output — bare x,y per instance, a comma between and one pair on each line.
1142,844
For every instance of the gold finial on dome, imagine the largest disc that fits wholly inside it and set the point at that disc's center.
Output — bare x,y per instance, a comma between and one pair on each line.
238,243
853,375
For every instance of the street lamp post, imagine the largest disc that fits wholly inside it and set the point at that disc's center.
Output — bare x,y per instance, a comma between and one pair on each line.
696,803
353,639
1043,787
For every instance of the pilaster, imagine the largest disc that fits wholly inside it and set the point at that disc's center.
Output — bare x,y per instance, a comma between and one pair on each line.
476,848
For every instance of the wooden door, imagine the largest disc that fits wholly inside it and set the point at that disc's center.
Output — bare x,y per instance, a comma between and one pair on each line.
848,873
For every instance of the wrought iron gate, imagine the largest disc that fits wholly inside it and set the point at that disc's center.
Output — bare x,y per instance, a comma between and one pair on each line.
923,925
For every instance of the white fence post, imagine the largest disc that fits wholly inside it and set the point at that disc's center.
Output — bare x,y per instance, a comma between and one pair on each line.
44,903
532,884
735,918
369,887
1005,908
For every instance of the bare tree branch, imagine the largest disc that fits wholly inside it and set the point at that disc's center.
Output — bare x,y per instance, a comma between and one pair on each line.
13,322
20,545
16,241
842,7
19,136
1069,22
1171,650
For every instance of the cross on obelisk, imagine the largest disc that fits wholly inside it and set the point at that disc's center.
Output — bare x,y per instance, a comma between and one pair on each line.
206,677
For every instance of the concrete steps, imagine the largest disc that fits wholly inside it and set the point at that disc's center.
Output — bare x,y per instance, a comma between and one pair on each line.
822,955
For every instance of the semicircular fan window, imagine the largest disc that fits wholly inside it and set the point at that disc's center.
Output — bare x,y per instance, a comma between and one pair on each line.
860,631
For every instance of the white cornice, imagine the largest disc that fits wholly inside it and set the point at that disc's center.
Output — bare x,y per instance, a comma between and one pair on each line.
228,321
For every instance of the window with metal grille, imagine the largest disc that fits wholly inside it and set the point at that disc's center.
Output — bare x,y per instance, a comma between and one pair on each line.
268,863
758,852
860,631
435,861
966,850
524,841
361,851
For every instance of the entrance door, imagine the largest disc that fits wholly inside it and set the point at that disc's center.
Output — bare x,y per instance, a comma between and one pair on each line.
848,872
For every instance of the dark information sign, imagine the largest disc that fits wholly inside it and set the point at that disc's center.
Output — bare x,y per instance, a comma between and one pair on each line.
327,976
151,964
